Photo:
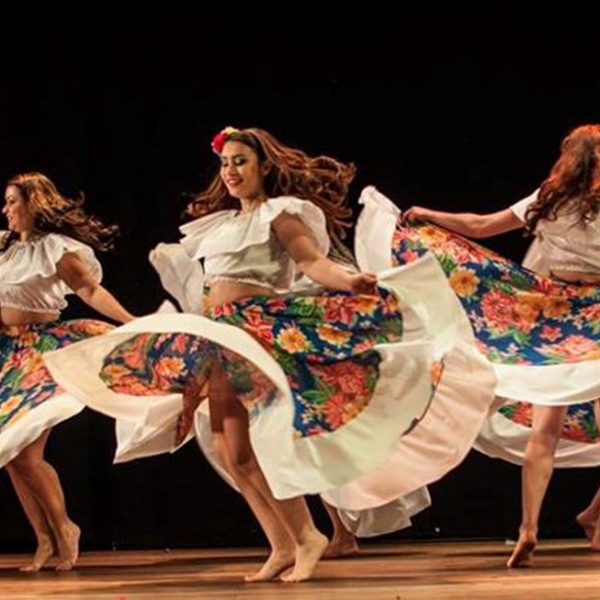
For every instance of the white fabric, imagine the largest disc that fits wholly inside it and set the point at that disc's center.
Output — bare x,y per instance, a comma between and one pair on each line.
374,231
28,281
242,246
555,385
383,500
386,518
24,431
559,247
28,278
366,468
551,385
563,244
502,438
316,463
292,467
180,275
519,208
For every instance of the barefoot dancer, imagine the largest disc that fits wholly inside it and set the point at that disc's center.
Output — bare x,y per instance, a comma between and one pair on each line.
44,257
307,392
564,216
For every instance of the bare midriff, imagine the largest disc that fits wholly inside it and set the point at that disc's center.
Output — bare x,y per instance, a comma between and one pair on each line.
226,290
577,276
17,316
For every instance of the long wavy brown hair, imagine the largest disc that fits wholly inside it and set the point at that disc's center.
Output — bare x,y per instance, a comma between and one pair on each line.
322,180
573,185
55,213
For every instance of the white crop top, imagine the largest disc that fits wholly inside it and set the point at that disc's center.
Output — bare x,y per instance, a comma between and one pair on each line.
563,244
28,279
242,246
235,246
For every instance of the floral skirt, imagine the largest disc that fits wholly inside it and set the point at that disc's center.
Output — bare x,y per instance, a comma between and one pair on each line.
324,345
30,400
541,335
336,385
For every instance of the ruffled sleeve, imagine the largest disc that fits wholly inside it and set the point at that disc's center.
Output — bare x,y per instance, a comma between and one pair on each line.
180,275
309,213
25,260
55,245
201,236
230,231
520,208
375,230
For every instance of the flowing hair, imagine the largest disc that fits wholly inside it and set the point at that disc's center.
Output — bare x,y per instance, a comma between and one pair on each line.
574,181
54,213
322,180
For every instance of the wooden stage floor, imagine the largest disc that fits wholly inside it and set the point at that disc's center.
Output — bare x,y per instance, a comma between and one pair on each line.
439,570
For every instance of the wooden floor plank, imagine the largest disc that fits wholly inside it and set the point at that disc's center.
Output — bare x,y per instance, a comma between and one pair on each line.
439,571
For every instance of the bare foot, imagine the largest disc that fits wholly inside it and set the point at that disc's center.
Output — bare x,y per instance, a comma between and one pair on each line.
308,555
278,561
587,524
43,553
68,547
342,546
523,552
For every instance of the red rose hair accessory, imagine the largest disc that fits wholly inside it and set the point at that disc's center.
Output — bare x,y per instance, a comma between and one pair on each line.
220,139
